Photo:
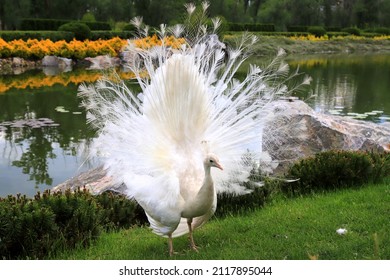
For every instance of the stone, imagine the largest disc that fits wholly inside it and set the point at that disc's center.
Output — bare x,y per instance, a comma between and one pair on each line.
103,62
94,180
296,131
52,65
50,60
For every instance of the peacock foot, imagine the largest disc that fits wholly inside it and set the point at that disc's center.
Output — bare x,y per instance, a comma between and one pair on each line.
194,247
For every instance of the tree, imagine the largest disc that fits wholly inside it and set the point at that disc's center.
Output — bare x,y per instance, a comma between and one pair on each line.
11,11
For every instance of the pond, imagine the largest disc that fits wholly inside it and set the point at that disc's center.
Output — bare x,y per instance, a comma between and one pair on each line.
43,130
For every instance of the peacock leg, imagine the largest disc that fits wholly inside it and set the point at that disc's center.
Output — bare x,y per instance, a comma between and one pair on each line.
190,235
170,245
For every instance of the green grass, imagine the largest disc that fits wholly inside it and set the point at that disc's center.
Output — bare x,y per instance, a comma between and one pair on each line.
298,228
269,45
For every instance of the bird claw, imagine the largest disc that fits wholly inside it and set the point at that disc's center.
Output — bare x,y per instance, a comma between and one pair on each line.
194,247
173,253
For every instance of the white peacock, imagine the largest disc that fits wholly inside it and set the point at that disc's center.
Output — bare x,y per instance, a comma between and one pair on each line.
191,115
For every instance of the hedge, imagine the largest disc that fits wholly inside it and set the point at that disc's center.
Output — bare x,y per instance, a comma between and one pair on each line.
39,226
34,24
39,35
336,169
61,35
253,27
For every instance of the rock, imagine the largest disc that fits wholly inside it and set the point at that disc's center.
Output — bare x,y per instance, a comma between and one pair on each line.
52,65
296,131
94,180
103,62
293,130
50,60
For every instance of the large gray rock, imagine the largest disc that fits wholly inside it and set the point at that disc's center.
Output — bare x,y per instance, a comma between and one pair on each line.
293,131
95,180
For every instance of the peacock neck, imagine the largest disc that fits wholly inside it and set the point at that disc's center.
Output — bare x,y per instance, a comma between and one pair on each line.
201,203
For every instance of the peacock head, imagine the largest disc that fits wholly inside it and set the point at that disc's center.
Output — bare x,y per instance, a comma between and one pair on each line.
212,160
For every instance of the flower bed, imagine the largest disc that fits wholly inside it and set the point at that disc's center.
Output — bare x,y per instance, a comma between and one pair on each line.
37,49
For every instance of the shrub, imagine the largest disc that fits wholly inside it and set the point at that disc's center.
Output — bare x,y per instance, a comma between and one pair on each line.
333,29
39,35
337,169
129,27
297,28
36,227
106,35
352,30
382,30
41,24
317,31
97,25
253,27
80,30
233,26
88,16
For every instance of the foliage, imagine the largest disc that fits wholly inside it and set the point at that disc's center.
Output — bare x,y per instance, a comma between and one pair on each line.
39,35
337,169
79,49
378,30
352,30
318,31
73,49
297,28
106,35
34,24
80,30
88,16
252,27
35,227
230,204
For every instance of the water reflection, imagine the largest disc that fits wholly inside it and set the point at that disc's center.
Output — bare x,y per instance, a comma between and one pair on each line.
43,129
352,85
37,141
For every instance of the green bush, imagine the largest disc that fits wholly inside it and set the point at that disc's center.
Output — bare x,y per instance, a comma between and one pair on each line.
382,30
252,27
34,24
97,25
352,30
297,28
230,204
333,28
36,227
129,27
25,35
95,35
80,30
317,31
337,169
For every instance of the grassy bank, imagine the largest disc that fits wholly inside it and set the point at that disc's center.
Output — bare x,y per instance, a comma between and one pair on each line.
299,228
268,45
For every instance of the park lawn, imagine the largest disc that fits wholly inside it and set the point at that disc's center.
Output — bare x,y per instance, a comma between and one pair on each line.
294,228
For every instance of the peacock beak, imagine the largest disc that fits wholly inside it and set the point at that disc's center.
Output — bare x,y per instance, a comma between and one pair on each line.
218,165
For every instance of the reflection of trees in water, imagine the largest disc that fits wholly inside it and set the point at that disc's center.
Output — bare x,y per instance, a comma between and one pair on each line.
31,149
30,144
34,161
